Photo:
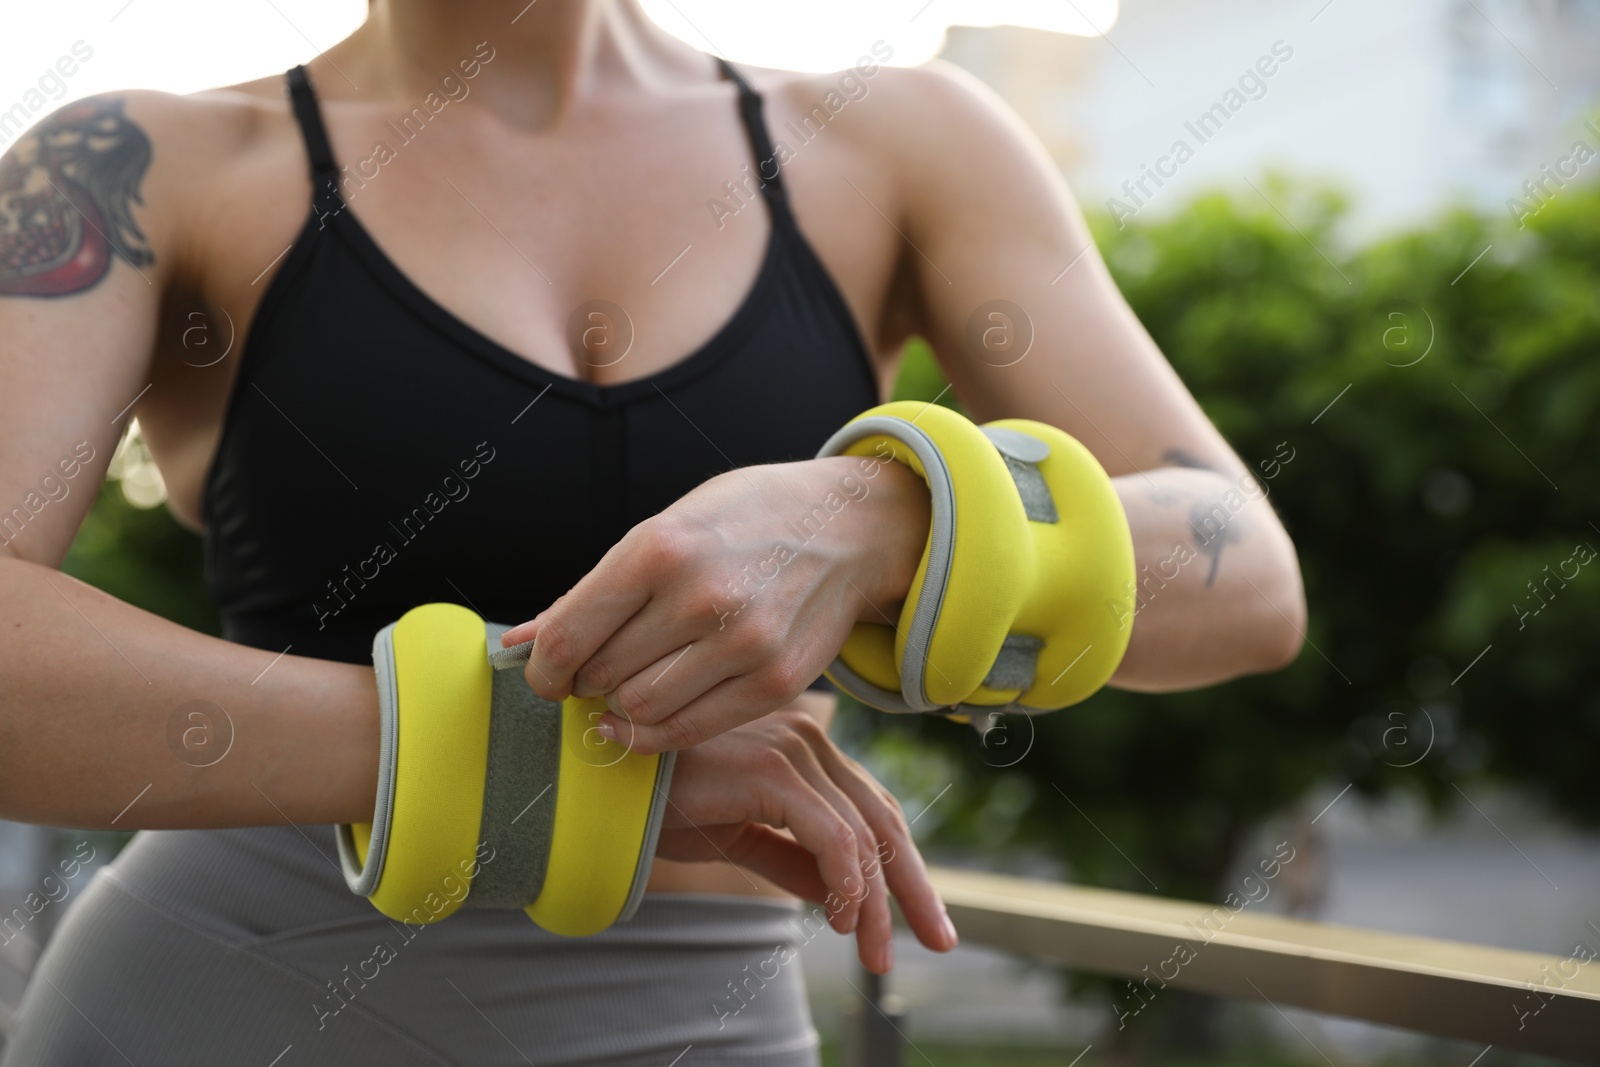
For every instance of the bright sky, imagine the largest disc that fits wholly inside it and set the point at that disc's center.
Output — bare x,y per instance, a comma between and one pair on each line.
185,45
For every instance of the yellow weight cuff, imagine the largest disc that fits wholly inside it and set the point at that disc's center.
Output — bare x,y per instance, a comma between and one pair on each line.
607,814
1022,600
434,738
493,797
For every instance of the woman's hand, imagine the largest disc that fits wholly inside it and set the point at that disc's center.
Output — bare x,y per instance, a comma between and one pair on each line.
850,847
729,603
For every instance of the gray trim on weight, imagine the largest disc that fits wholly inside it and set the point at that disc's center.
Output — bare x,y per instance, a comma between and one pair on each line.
888,700
363,879
1022,453
941,543
652,834
506,660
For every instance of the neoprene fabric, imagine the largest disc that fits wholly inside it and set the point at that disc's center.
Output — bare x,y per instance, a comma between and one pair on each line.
1021,599
443,689
485,787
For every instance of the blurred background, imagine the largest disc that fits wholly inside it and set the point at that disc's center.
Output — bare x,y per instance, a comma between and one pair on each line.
1378,267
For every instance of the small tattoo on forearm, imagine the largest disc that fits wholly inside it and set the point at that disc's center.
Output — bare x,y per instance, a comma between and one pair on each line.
1211,525
67,192
1210,533
1177,457
1160,495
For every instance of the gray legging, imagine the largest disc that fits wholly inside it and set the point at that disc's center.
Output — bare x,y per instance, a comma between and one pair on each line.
238,946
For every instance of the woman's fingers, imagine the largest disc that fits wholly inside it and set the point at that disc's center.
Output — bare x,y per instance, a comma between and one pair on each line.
572,629
835,845
724,707
664,686
622,631
738,779
647,654
904,870
565,636
714,710
761,849
851,841
875,926
675,653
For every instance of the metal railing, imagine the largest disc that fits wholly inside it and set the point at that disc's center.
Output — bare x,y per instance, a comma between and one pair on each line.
1522,1001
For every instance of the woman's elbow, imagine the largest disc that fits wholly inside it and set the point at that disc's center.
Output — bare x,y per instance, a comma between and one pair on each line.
1280,624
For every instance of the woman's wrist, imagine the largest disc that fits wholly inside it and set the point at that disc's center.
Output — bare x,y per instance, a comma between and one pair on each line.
895,510
330,710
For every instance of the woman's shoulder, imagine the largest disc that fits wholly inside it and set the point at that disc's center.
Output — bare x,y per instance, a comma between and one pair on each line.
184,140
172,155
211,120
886,110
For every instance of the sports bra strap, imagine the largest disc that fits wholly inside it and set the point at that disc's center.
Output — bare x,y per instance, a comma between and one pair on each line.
324,172
755,127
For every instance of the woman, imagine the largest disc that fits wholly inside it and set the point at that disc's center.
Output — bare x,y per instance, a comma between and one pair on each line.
462,376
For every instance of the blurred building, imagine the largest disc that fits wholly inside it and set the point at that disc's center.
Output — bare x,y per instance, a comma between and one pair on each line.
1410,106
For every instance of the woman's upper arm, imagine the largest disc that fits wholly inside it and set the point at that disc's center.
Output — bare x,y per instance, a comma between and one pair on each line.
996,232
86,248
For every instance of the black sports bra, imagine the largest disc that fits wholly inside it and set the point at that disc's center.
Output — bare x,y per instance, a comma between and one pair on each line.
378,453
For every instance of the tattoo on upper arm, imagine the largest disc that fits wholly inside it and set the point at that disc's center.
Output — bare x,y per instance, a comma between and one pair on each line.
67,192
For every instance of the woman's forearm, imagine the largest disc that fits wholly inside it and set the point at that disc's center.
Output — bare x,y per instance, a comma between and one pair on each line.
1218,591
111,717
